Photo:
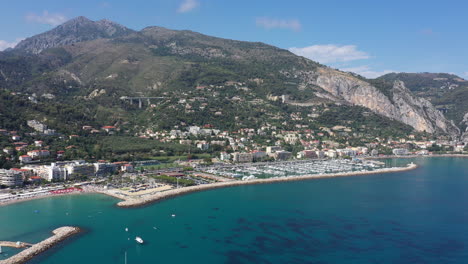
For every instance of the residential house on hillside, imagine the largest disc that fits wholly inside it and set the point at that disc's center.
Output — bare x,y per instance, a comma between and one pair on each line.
38,153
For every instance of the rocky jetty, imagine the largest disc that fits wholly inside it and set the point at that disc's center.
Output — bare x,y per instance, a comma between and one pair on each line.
60,234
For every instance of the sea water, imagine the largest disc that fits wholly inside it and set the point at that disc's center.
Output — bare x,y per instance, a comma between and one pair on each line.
418,216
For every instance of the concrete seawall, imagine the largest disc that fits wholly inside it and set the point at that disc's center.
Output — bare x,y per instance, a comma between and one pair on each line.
60,234
176,192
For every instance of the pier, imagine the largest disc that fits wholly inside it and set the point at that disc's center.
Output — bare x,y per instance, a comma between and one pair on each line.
14,244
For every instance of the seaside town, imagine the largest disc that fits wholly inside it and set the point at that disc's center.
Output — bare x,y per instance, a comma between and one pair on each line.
38,169
233,132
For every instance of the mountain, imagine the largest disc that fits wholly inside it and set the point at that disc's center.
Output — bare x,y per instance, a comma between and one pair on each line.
76,30
447,92
203,79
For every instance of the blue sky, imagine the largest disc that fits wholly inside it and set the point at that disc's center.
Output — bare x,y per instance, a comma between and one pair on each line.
368,37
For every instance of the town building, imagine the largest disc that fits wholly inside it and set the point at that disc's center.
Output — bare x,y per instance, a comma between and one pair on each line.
38,153
224,156
25,159
10,178
241,157
400,151
283,155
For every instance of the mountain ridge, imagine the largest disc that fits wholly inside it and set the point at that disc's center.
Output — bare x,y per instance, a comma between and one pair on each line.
122,62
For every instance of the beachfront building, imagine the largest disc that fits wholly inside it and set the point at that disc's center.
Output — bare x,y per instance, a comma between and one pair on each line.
400,151
240,157
346,152
320,154
224,156
272,149
79,169
127,168
307,154
283,155
259,155
331,153
103,169
64,170
10,178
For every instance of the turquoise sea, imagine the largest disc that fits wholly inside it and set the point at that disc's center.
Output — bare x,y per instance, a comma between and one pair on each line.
418,216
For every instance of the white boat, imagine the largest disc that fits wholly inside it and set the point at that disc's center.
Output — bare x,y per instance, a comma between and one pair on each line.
126,229
139,240
1,250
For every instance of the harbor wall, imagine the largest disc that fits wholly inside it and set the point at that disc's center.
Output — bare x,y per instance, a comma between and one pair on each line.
60,234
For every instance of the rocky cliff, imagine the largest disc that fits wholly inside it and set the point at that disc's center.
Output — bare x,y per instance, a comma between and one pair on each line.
402,106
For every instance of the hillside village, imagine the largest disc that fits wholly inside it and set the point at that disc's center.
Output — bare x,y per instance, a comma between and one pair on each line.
32,156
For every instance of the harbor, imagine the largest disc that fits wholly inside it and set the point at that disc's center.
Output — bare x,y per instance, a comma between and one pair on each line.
292,168
141,201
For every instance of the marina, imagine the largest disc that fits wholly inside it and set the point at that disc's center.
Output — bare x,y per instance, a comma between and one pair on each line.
292,168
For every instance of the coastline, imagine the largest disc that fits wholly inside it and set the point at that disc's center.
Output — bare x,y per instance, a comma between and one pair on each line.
141,201
59,235
129,203
420,156
175,192
39,197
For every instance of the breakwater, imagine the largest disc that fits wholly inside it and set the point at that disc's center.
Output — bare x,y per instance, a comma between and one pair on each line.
135,202
60,234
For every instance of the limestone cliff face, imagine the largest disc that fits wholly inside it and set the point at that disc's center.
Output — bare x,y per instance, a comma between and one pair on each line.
465,133
416,112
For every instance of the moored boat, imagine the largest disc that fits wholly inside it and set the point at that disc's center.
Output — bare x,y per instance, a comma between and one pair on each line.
139,240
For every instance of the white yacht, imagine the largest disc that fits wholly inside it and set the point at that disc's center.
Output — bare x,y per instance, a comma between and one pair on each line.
139,240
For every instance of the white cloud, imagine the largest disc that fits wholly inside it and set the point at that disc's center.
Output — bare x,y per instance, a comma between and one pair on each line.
367,72
46,18
272,23
5,44
187,5
331,53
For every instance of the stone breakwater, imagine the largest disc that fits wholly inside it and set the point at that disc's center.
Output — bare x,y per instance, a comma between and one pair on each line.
60,234
128,202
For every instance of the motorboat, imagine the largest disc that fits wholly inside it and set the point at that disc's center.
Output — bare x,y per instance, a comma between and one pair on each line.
139,240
